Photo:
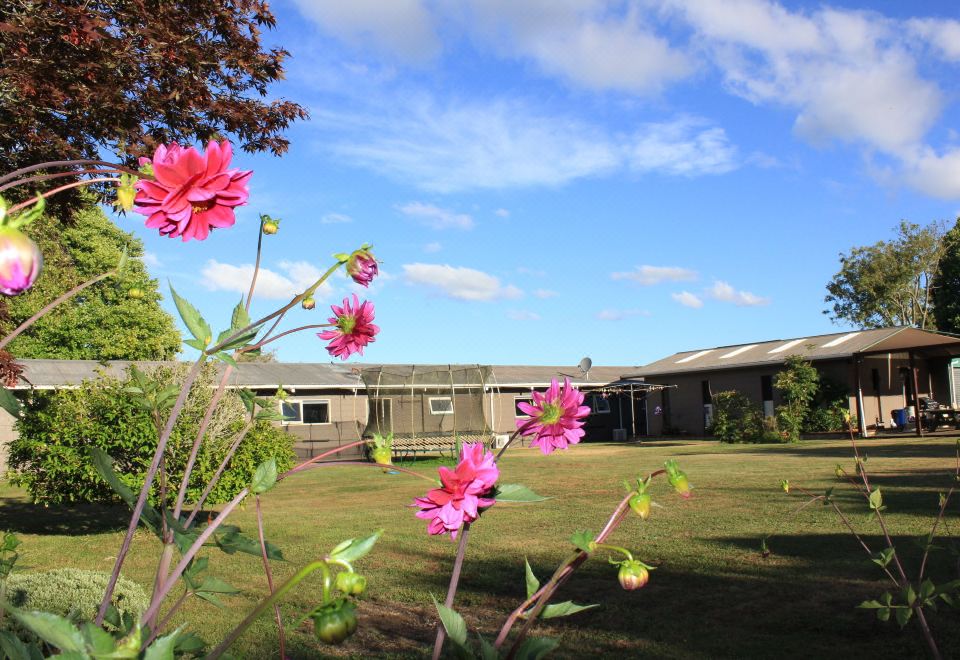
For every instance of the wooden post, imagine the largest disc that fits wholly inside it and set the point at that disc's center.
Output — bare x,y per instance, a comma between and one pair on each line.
633,416
916,396
861,422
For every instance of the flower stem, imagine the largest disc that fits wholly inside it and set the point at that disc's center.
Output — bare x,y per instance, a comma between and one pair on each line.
265,341
256,271
60,175
49,307
198,507
452,588
281,637
50,193
264,604
66,163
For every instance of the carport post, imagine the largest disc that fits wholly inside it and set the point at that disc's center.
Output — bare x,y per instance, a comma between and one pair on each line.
861,422
916,396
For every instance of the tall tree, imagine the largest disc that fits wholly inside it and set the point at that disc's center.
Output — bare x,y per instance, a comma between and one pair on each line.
946,294
889,283
117,319
81,76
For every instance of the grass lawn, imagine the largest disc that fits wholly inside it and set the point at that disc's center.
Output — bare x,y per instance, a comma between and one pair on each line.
712,596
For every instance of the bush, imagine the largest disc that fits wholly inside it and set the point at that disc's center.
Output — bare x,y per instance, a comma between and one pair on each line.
72,593
825,420
736,418
797,384
51,458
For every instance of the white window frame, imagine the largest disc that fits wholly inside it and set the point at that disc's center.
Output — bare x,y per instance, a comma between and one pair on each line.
299,403
431,399
516,412
595,410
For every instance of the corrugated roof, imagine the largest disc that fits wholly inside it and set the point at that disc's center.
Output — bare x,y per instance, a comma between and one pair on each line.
817,347
46,374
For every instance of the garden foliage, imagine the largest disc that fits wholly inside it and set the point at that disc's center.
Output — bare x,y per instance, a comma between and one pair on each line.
51,455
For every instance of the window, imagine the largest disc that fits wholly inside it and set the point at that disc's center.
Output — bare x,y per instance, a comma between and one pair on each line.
766,388
305,412
441,405
705,392
516,408
598,405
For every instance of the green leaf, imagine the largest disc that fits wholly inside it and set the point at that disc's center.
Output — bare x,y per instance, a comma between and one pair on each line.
883,614
9,402
876,500
883,557
909,594
532,582
265,477
210,598
162,648
199,328
248,397
452,622
227,358
122,263
240,319
870,605
104,465
189,643
487,650
195,343
353,549
216,585
53,629
535,648
927,589
565,608
903,615
101,642
583,540
12,647
231,541
517,493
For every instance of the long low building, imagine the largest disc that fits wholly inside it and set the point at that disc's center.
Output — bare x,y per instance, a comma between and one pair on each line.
331,404
882,370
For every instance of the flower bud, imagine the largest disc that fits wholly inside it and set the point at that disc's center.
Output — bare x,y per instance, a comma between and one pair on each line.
351,584
333,623
633,575
308,302
680,484
839,471
20,261
362,266
382,455
126,192
640,503
270,227
136,293
785,485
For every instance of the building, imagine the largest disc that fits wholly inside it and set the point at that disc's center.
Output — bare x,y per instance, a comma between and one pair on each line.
327,405
883,370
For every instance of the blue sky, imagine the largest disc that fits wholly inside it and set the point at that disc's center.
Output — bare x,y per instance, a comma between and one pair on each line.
551,179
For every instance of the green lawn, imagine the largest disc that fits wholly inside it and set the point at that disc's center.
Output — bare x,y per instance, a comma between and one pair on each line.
713,595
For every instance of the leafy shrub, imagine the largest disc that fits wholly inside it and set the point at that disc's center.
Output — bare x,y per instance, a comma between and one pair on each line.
736,418
797,384
51,458
72,593
825,420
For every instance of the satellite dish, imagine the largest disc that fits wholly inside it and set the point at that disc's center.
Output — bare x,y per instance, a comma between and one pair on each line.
584,366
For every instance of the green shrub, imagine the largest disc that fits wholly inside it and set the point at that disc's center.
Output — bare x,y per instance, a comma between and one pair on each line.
51,457
72,593
797,384
736,418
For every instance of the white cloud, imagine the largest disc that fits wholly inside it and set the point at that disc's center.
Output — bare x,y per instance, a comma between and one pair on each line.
335,218
649,275
502,213
532,272
684,147
459,282
724,292
587,43
432,247
543,294
436,217
522,315
151,259
299,275
401,27
687,299
508,143
620,314
942,34
935,174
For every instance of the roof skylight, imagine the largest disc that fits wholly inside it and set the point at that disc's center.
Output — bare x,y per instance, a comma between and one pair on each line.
840,340
690,358
736,352
787,346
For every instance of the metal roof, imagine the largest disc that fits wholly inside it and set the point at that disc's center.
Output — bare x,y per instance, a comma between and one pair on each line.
814,348
52,374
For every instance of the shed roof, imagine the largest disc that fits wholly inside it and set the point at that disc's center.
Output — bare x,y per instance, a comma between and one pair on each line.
814,348
52,374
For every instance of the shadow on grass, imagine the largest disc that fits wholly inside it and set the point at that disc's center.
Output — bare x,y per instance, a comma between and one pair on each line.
20,516
913,447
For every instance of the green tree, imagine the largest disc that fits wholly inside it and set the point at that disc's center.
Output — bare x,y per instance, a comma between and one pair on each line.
797,384
105,322
946,294
889,283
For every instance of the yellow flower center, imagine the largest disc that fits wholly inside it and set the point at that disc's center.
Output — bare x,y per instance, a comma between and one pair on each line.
551,414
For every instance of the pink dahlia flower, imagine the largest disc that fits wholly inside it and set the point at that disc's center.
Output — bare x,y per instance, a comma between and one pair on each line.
362,267
465,493
354,328
20,261
556,417
191,192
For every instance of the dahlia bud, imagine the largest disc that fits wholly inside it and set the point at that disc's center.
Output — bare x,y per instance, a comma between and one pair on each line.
362,266
677,478
126,192
350,583
308,302
333,623
839,471
785,485
633,575
136,293
20,261
640,503
270,226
